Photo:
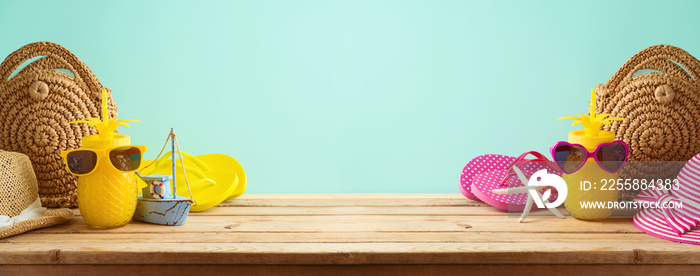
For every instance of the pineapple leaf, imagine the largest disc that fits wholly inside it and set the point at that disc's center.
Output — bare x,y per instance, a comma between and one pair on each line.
129,120
106,126
591,122
577,122
601,116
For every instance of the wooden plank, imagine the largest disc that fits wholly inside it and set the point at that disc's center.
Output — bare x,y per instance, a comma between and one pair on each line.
334,202
377,210
350,270
330,200
349,253
347,205
336,237
353,210
314,224
380,210
351,195
358,232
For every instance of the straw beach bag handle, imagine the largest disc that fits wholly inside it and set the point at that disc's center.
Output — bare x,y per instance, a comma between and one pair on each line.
37,102
54,57
663,58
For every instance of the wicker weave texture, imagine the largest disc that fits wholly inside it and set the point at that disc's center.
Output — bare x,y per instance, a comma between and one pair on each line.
17,183
662,105
36,106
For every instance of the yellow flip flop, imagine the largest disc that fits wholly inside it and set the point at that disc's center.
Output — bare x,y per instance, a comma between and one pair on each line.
222,162
213,178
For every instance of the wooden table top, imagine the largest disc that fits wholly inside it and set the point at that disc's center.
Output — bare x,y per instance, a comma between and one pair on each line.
349,234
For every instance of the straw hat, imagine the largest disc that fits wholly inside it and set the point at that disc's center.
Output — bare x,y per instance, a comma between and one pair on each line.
20,207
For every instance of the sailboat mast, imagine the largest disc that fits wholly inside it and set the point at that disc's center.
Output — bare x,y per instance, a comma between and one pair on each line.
172,143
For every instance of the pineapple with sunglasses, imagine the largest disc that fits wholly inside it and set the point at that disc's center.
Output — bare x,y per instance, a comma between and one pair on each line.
105,166
590,162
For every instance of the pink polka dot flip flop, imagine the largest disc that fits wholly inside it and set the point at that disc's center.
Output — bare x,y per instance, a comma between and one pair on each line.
479,165
482,185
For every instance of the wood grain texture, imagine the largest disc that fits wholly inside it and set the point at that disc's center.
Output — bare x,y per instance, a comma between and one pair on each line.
349,270
349,234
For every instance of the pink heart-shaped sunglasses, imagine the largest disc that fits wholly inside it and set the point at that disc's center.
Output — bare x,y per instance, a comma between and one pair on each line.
571,157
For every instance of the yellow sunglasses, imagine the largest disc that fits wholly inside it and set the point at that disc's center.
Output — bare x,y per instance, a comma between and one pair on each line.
84,161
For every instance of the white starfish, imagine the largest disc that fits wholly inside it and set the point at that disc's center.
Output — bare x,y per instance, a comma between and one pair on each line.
525,189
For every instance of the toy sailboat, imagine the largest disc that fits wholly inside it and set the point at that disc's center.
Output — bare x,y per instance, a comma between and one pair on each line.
159,202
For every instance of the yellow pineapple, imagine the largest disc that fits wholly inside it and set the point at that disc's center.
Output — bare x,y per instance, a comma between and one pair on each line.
590,137
107,193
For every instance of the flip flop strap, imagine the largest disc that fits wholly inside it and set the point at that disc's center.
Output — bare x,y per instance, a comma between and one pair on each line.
521,159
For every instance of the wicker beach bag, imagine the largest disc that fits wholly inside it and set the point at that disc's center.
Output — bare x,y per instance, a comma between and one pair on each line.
37,102
657,91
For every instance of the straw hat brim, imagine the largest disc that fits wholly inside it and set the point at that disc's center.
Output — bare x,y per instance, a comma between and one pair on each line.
51,218
651,221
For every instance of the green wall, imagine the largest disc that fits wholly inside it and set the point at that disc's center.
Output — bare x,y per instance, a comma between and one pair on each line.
352,96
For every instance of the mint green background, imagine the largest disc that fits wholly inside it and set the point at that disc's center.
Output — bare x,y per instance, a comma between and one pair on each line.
352,96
